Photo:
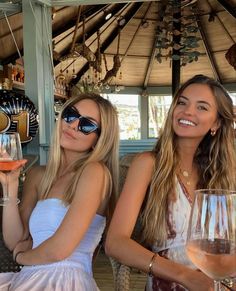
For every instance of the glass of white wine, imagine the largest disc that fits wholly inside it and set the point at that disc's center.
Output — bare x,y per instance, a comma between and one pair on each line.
211,240
10,159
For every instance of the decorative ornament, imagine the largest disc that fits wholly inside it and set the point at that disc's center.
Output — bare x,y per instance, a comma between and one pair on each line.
187,40
116,65
231,56
18,114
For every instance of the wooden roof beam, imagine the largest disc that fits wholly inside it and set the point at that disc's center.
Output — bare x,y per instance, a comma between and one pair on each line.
91,31
228,7
152,58
150,64
207,48
133,37
109,39
86,2
12,58
71,23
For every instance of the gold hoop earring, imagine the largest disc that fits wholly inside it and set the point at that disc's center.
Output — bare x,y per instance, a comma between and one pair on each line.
213,132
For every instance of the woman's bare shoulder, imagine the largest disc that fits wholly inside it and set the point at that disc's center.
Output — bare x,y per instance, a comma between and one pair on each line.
145,158
95,167
36,173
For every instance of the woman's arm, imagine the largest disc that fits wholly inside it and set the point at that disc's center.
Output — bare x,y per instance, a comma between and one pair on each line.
119,243
15,218
89,195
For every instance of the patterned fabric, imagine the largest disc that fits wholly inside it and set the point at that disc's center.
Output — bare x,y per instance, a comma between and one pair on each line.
174,247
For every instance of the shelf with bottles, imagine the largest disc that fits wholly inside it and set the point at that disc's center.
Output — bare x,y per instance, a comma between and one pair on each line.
61,90
12,77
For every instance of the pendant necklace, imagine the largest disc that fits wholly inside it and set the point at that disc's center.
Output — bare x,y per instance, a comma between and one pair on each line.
186,175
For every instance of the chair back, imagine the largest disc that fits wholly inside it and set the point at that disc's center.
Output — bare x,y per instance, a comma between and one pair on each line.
121,273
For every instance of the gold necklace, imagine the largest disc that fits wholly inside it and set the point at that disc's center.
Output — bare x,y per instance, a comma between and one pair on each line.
186,175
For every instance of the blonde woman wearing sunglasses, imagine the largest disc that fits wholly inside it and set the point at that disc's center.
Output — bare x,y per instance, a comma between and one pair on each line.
67,203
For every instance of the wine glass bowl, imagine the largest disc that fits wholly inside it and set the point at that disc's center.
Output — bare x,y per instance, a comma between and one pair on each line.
10,159
211,239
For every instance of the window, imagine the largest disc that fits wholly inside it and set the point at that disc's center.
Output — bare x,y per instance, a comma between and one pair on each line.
233,96
158,107
128,114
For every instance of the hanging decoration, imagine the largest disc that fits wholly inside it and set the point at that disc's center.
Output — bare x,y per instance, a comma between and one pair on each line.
188,40
81,49
97,63
73,76
116,65
18,114
231,56
91,80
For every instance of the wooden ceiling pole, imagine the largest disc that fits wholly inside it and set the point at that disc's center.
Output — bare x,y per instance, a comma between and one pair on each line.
133,37
87,2
176,63
93,29
221,22
11,59
150,64
207,49
228,7
76,28
70,24
109,39
152,57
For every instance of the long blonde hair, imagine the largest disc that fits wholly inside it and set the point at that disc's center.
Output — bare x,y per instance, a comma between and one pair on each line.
106,151
215,158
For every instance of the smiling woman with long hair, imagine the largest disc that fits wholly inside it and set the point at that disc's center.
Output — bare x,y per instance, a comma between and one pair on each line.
195,150
67,203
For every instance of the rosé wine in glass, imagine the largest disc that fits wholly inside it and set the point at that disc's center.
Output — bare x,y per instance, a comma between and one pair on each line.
211,239
10,159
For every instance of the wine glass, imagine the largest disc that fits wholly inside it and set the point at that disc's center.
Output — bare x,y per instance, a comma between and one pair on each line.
10,159
211,238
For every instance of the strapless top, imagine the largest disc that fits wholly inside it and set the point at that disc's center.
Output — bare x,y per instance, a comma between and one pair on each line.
47,217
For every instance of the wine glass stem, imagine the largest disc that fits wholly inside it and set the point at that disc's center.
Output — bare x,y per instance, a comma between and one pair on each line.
5,188
217,285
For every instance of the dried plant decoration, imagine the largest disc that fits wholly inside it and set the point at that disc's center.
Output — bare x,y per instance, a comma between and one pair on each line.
187,32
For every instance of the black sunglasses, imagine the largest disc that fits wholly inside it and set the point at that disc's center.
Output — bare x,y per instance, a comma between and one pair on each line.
86,126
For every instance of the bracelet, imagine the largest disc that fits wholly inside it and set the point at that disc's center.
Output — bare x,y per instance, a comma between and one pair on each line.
150,271
15,259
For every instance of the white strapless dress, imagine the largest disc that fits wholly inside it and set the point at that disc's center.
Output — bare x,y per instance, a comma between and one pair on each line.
73,273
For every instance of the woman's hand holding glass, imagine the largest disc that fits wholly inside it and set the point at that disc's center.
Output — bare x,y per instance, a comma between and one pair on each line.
196,280
10,163
211,242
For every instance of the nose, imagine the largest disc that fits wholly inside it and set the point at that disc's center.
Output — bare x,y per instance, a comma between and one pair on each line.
74,124
189,109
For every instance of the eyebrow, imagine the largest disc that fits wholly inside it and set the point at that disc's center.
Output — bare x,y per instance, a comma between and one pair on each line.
200,101
89,117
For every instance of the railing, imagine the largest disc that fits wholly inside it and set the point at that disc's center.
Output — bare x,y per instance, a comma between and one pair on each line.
136,146
128,146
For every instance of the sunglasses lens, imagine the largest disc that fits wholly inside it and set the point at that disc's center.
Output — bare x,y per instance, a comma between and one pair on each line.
86,126
69,114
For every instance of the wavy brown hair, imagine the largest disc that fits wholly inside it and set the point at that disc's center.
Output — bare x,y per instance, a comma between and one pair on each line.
106,152
215,159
